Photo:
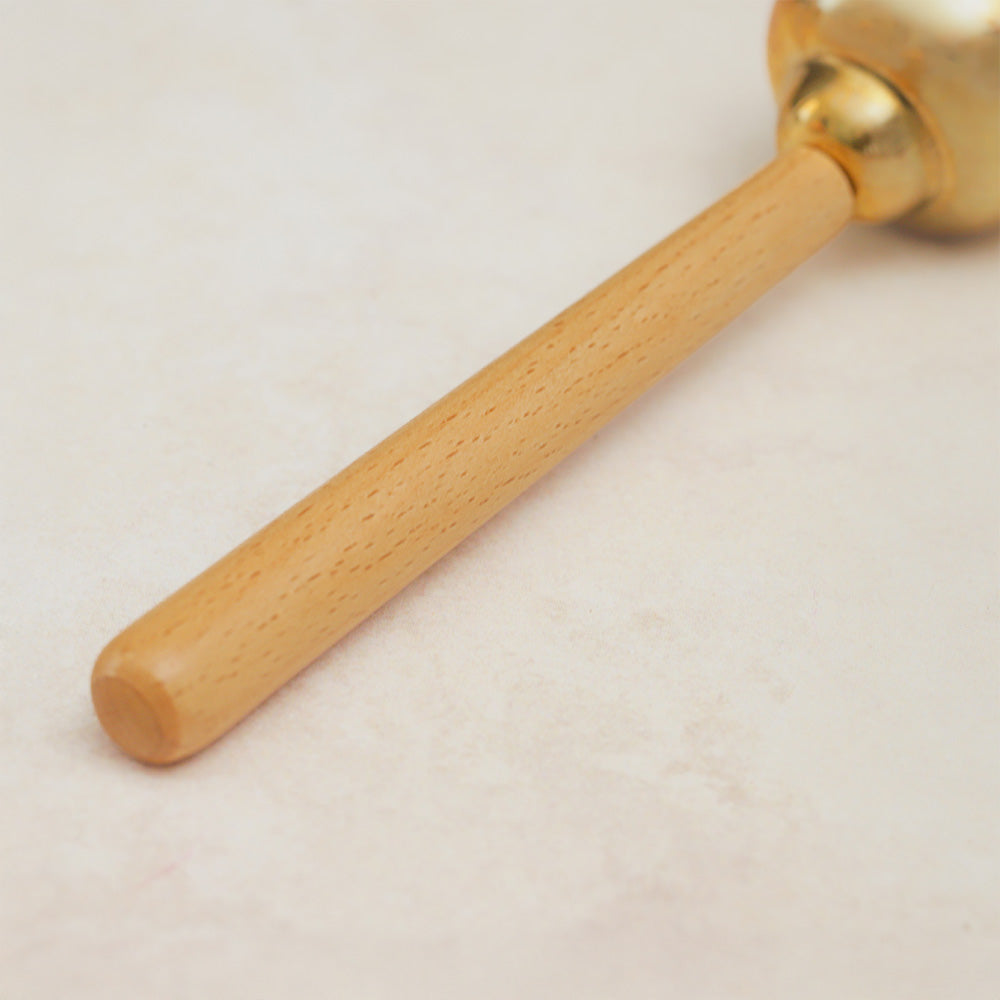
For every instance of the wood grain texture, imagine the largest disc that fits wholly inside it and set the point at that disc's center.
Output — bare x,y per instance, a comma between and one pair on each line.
191,668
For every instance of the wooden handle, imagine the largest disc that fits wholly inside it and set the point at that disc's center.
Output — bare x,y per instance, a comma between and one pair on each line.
196,664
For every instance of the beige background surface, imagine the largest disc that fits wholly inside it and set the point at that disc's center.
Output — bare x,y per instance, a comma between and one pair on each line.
711,712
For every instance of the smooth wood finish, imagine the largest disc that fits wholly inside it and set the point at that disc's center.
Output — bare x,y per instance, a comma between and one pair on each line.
200,661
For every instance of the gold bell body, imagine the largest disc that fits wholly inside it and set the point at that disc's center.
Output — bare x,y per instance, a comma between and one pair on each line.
903,94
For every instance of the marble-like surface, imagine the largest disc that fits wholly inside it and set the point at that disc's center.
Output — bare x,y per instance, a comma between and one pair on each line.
712,712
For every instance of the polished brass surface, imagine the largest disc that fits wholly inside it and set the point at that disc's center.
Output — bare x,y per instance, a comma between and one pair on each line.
905,95
875,135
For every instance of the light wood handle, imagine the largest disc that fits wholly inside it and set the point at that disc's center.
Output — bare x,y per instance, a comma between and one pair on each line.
196,664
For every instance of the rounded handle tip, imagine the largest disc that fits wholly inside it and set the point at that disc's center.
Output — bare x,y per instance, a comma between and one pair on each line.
134,710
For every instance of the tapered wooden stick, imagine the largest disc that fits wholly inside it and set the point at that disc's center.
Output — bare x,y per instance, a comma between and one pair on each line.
196,664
